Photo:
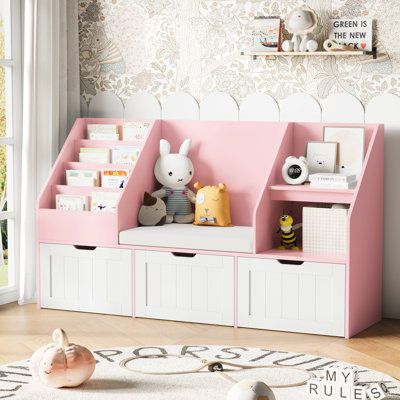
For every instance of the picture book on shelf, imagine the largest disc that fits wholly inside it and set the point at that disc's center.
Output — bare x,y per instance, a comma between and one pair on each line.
71,202
267,34
102,132
333,185
114,178
333,181
94,155
104,201
135,130
125,155
334,177
76,177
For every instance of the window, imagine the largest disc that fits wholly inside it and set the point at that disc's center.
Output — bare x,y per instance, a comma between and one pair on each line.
10,136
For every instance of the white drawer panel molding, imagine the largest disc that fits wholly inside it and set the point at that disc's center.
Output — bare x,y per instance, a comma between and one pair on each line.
307,298
93,280
197,288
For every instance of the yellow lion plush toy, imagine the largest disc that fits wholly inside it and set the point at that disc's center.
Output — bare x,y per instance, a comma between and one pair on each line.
212,205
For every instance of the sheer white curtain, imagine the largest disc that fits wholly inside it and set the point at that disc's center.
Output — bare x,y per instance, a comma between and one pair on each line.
50,103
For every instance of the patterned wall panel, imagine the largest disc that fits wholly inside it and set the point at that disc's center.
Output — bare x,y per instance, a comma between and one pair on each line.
166,46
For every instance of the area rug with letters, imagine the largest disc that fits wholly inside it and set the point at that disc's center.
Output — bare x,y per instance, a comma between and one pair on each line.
110,381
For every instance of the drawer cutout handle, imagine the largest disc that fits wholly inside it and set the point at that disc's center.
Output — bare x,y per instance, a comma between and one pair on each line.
290,262
187,255
89,248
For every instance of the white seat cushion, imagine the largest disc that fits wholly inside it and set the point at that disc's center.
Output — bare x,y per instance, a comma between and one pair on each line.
187,236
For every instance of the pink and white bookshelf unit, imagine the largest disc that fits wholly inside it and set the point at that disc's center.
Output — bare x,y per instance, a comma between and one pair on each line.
104,262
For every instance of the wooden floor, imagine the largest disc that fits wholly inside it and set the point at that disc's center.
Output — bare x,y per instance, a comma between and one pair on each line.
25,328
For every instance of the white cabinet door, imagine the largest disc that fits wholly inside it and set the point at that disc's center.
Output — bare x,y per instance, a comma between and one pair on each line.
182,288
306,298
94,280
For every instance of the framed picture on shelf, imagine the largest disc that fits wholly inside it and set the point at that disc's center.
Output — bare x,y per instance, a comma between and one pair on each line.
350,148
321,157
267,34
355,31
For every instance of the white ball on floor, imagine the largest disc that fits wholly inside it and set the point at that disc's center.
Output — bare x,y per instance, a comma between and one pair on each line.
248,389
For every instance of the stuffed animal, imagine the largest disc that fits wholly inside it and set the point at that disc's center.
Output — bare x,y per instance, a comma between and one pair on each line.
286,230
301,22
174,172
153,212
62,364
212,205
248,389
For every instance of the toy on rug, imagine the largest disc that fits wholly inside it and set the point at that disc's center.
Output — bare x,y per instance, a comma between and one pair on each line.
153,211
242,390
286,230
212,205
248,389
342,382
301,22
62,364
174,172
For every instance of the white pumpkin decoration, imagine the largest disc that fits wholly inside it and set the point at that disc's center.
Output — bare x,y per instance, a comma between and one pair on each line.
248,389
62,364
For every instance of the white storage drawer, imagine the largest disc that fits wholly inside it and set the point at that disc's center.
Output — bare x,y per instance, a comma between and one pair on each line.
307,298
193,288
86,279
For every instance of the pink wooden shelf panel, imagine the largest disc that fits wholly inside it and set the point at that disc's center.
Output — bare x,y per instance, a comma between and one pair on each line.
291,255
82,190
304,193
96,166
110,144
77,227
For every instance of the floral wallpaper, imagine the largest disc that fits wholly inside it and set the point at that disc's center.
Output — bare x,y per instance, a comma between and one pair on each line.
162,46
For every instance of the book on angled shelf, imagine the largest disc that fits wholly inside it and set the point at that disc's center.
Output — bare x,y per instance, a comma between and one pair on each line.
104,201
328,177
94,155
102,132
114,178
333,185
80,177
125,155
72,202
135,130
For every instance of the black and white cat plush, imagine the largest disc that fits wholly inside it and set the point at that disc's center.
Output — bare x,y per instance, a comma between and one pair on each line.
153,211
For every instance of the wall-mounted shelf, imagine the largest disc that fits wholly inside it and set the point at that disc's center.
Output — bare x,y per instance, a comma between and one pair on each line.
273,54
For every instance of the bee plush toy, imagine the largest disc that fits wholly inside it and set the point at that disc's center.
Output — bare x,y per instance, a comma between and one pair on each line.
286,230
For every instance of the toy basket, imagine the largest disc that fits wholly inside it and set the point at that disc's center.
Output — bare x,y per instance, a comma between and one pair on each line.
325,231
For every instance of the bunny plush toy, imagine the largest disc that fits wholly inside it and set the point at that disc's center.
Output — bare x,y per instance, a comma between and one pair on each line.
174,172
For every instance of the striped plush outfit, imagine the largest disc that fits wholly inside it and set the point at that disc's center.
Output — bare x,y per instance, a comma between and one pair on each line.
178,202
288,238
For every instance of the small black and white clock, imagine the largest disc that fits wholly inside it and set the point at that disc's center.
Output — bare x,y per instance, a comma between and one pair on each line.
295,170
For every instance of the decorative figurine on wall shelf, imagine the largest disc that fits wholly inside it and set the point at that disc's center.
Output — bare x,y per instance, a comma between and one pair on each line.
286,230
301,22
175,171
331,45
